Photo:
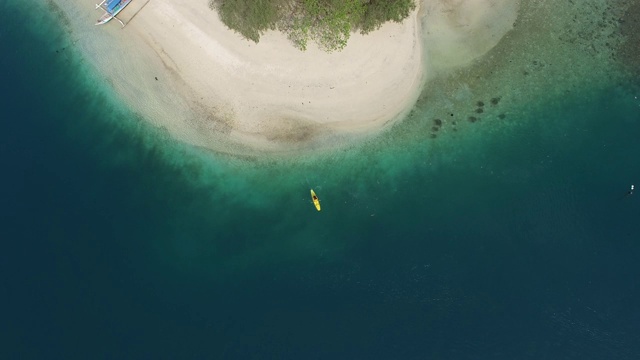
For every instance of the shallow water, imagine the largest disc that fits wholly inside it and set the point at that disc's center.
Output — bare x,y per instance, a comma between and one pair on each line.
507,238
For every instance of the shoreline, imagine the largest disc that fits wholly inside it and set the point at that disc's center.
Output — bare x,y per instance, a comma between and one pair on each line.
216,90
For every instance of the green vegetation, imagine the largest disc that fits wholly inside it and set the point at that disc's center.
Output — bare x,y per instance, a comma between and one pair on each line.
327,22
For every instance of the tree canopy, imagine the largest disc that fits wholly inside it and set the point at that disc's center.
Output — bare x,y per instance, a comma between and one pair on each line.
327,22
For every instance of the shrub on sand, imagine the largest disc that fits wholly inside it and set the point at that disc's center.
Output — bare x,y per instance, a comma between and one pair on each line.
329,23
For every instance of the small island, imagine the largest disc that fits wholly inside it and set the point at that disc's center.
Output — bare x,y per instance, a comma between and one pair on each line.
276,76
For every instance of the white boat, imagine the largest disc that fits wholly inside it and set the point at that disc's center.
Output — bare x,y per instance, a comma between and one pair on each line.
111,9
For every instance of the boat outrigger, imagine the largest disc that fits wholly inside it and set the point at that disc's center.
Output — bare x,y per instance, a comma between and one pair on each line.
111,8
315,199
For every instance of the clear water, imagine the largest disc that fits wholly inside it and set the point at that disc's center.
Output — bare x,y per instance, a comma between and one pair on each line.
506,238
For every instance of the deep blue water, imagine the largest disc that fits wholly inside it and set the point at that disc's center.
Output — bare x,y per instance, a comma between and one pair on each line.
119,243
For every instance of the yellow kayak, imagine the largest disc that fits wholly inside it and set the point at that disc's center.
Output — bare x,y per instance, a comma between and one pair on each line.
315,199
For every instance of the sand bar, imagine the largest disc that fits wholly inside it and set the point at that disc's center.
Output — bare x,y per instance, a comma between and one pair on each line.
215,89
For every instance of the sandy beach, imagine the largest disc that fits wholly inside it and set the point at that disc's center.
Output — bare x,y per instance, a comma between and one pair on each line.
181,68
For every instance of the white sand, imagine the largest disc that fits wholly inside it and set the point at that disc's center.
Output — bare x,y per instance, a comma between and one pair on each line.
458,31
215,89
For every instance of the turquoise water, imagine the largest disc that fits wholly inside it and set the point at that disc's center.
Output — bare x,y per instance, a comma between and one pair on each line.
508,238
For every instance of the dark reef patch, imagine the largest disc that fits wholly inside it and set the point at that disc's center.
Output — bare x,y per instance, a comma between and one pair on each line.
60,14
495,100
472,119
479,110
629,27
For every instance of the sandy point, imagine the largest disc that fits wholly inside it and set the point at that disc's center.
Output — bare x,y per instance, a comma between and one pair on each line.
187,72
